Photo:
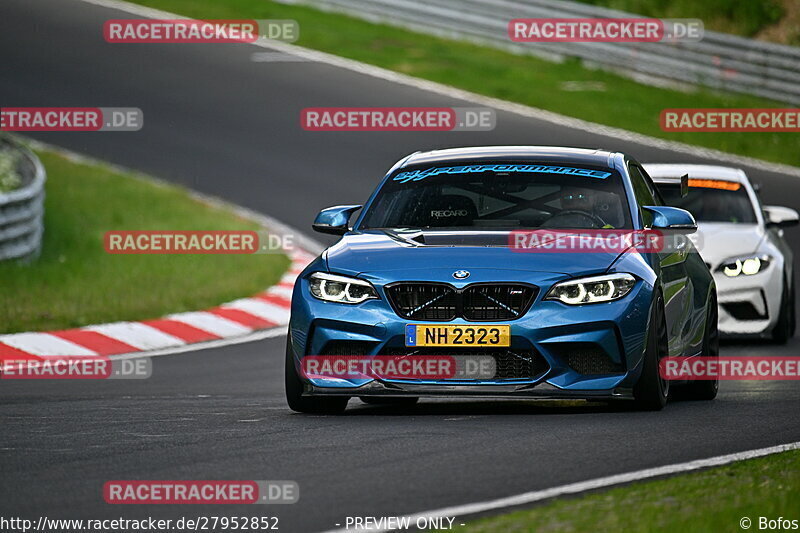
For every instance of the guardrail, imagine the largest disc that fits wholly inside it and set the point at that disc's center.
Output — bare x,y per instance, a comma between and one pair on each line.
22,210
719,61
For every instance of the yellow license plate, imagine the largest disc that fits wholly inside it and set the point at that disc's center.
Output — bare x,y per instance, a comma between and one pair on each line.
454,335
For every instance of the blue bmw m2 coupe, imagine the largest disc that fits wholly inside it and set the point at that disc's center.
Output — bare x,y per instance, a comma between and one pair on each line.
491,254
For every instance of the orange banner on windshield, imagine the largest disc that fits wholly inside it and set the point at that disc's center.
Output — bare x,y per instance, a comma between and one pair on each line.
715,184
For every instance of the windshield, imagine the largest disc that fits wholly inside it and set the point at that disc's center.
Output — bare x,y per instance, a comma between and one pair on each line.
712,201
486,197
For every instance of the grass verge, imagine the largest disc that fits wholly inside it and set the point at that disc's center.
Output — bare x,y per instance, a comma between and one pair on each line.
710,501
622,103
75,282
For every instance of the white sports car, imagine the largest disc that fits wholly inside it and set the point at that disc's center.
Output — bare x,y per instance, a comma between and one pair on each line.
742,244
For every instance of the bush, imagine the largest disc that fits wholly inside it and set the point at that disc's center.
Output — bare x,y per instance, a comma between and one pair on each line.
9,176
744,18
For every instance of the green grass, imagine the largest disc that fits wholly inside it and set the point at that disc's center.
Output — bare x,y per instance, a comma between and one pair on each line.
528,80
75,282
710,501
744,18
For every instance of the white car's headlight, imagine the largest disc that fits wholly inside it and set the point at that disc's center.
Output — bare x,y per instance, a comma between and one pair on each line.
745,266
596,289
342,289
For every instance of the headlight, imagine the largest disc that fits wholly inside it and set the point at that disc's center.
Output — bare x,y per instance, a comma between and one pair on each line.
592,290
746,266
342,289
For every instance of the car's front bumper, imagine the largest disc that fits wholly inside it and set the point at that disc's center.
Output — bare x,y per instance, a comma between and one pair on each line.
613,331
749,305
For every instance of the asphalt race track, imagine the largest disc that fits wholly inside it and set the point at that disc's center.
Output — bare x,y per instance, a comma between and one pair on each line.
221,124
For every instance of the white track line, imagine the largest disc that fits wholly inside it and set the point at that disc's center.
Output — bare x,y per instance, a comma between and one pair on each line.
592,484
615,134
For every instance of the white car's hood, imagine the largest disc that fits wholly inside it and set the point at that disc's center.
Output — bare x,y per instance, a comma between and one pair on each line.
718,241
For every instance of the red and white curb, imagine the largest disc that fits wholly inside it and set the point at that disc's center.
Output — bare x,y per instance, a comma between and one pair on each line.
237,319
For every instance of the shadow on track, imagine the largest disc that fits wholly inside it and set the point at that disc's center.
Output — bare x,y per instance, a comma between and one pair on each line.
472,408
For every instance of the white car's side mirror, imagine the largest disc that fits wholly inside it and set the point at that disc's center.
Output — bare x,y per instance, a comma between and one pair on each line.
780,217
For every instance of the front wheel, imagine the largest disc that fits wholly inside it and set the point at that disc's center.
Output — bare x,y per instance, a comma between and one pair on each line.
651,391
784,329
324,405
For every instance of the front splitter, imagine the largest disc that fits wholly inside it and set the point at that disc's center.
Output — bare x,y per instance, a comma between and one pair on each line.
542,390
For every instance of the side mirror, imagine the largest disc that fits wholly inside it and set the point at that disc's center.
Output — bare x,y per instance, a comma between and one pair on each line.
780,217
334,220
684,185
672,218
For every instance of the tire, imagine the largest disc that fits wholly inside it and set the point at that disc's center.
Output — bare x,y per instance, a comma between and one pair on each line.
784,329
651,391
322,405
706,389
793,312
378,400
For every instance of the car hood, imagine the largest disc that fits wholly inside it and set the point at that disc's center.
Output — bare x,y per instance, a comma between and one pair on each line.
419,254
718,241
